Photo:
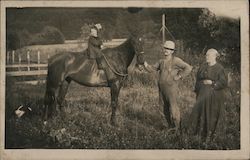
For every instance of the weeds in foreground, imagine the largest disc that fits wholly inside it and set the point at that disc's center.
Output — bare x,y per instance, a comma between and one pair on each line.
141,124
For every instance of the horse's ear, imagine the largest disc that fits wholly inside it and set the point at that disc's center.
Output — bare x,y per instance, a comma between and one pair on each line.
137,37
133,35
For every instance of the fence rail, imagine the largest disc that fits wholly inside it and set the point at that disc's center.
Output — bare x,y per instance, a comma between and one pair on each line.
33,82
25,73
26,65
16,68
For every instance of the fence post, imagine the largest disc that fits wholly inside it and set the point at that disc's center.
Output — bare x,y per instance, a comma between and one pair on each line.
13,57
182,46
8,57
28,58
38,59
19,61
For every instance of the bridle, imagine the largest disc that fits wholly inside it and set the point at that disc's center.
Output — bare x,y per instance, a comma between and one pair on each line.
113,69
117,72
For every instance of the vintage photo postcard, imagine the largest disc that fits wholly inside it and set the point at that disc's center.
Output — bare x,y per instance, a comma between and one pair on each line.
124,79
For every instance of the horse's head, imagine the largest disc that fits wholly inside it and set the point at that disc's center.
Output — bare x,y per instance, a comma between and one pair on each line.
138,44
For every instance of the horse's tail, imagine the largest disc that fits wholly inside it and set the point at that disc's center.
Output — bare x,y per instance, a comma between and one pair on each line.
49,98
56,67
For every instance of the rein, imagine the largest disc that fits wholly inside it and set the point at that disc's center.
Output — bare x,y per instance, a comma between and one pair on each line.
116,72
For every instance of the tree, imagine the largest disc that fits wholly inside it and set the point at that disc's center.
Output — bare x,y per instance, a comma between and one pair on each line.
49,35
224,36
17,39
13,41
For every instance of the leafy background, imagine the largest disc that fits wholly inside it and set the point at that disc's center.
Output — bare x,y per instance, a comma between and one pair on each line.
198,28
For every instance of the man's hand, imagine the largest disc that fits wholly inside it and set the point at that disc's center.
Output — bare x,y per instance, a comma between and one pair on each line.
177,77
148,67
207,81
140,67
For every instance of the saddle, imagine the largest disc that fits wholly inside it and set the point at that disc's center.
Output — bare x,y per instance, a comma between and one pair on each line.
102,65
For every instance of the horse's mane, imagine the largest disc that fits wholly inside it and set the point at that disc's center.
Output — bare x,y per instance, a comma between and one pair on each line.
125,44
121,54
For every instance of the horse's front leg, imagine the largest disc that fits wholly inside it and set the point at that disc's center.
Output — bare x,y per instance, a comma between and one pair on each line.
115,90
62,93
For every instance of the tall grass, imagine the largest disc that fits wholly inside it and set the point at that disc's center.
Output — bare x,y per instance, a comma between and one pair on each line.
140,120
141,124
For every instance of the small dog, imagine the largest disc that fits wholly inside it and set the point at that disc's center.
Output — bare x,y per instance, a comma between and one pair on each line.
23,110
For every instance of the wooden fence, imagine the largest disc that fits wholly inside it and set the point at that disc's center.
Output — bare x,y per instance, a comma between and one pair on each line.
18,67
11,63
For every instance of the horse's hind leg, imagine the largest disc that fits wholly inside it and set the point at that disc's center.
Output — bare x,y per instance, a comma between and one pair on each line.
50,103
62,92
115,90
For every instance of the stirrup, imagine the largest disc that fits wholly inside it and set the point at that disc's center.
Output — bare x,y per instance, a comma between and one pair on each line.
99,64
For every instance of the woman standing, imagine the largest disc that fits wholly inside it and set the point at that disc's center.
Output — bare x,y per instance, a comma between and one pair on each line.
210,82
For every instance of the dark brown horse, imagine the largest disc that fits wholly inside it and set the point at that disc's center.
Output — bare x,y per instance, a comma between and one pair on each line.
65,67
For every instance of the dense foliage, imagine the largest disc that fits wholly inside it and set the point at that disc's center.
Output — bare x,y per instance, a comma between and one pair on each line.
19,38
49,35
197,27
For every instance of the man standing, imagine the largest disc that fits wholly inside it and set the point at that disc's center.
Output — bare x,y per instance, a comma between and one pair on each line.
171,69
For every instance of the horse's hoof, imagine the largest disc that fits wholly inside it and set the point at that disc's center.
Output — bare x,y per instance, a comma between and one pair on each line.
113,123
63,113
172,130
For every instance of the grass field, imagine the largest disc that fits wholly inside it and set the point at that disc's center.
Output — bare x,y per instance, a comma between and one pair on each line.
141,124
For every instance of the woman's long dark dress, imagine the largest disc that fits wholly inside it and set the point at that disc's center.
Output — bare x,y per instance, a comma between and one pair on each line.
210,99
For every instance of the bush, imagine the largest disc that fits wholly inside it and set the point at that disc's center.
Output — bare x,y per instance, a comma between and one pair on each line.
17,39
85,31
13,41
49,35
224,35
